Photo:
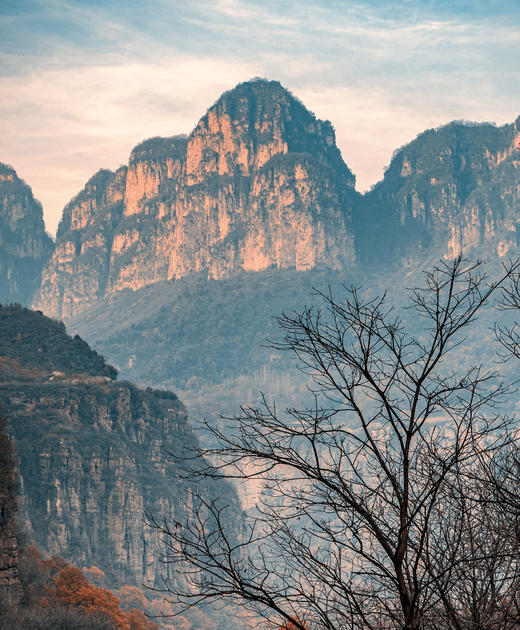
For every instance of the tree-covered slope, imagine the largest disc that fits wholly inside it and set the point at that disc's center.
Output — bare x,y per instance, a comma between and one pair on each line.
40,343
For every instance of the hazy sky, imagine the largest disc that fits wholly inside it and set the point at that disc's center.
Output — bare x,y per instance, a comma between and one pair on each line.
82,82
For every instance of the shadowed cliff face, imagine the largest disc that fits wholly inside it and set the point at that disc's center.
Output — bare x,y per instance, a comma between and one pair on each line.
24,245
10,586
93,459
455,189
95,455
259,183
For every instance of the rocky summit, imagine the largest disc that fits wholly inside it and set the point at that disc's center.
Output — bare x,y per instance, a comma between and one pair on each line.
174,265
258,184
24,245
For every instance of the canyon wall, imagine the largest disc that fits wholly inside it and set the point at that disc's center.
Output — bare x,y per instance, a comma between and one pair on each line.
260,184
452,190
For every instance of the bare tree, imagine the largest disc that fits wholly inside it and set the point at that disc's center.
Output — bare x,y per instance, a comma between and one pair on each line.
357,527
509,335
487,516
474,555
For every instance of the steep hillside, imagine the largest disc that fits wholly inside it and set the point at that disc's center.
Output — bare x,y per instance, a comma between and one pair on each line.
41,344
196,328
208,340
258,184
24,245
94,453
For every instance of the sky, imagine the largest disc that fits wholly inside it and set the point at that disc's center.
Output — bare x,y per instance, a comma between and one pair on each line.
83,82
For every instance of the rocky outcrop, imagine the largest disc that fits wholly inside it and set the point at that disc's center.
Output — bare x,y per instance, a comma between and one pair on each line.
24,245
259,183
452,190
95,456
78,270
94,460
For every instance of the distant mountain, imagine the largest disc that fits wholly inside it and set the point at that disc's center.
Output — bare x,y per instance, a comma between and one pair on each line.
24,245
453,189
94,453
174,265
258,184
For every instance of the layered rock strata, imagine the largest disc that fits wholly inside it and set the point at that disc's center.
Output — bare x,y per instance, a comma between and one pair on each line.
259,184
95,455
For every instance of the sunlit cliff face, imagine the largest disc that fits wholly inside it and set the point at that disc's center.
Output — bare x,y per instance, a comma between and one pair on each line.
259,183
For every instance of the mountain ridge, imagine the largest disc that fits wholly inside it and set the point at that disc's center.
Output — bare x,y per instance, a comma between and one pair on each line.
259,183
94,454
452,190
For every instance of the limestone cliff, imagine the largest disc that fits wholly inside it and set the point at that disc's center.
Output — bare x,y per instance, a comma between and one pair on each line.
259,183
94,454
78,269
24,245
454,189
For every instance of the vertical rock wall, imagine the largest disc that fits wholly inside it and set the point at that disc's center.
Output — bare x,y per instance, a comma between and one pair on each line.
95,458
452,190
259,183
24,245
10,587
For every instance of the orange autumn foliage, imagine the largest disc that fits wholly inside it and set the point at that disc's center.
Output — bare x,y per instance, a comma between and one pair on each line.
63,584
289,625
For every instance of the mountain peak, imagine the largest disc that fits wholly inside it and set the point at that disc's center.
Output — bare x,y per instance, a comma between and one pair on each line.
254,122
7,171
265,91
258,102
103,189
258,183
